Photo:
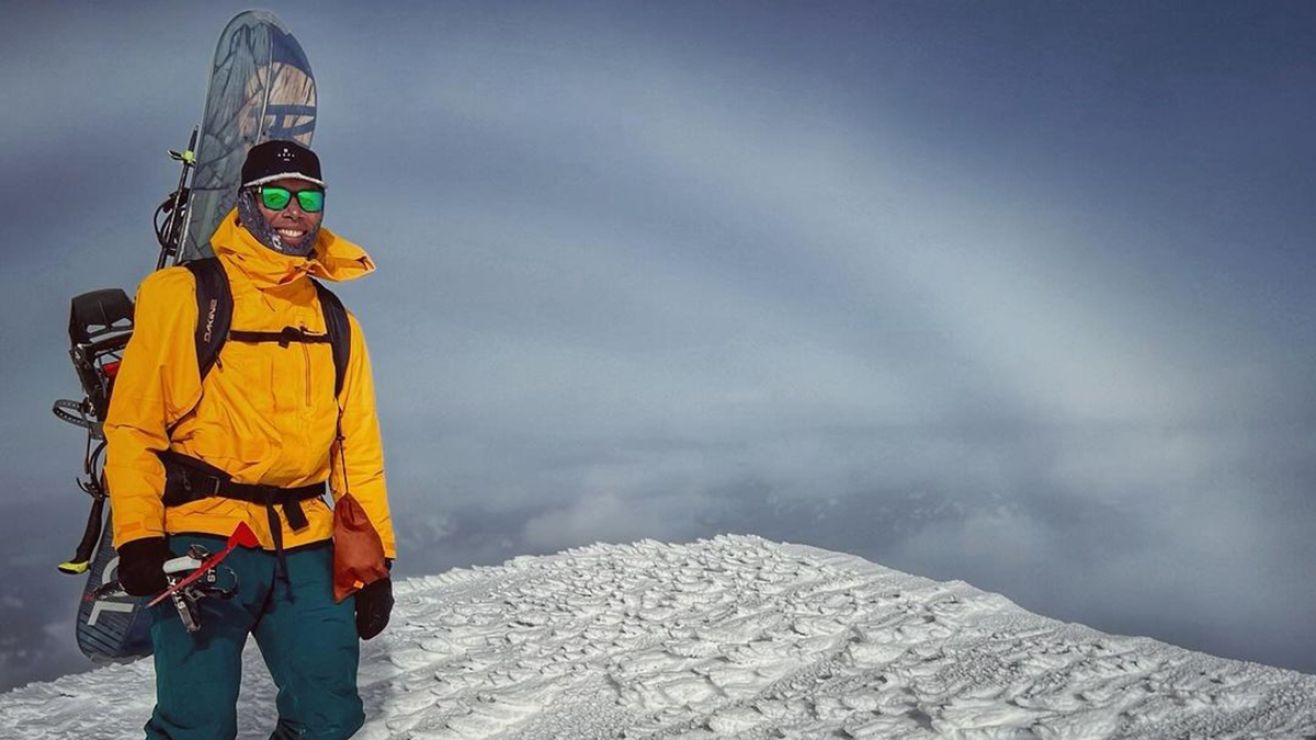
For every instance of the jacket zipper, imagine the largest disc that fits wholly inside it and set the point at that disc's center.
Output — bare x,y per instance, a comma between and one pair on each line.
306,362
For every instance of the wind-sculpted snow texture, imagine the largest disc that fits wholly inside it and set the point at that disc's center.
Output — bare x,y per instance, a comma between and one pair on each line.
733,637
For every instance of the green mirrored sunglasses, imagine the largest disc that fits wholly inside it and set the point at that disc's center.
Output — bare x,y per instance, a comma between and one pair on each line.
277,198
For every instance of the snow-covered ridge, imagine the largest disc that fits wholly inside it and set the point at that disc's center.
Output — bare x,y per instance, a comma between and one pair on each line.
734,636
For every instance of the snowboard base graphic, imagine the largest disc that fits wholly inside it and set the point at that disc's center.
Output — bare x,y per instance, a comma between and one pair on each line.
112,626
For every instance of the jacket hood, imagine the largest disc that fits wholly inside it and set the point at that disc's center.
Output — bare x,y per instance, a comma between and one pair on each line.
333,258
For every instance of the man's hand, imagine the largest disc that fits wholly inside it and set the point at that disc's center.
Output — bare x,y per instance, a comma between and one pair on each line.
141,571
373,605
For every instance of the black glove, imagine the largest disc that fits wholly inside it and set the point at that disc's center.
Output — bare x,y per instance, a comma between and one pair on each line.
141,566
373,604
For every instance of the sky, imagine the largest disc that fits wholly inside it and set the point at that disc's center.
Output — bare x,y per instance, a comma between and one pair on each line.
1012,293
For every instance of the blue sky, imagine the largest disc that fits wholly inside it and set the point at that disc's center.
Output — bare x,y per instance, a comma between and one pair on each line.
1014,293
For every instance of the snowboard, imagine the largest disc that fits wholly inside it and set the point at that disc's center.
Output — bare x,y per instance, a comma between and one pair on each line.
261,87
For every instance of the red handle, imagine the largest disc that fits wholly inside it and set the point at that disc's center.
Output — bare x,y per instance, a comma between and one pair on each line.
242,535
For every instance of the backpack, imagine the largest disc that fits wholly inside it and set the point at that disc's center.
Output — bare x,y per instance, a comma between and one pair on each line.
214,300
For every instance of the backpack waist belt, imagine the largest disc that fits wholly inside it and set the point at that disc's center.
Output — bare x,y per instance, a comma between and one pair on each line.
188,479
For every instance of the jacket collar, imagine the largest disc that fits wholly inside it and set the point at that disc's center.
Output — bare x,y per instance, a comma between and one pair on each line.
334,258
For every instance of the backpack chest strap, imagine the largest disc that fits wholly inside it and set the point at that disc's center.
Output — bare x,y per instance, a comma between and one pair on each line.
214,299
289,335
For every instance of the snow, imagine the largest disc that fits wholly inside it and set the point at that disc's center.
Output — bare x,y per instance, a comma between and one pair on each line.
731,637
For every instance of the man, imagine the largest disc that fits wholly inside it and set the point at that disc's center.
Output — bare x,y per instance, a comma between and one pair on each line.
252,439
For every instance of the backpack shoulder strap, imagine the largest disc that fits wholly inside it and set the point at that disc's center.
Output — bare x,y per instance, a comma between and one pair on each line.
339,331
214,301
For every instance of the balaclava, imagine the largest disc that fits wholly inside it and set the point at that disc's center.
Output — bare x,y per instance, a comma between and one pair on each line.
253,220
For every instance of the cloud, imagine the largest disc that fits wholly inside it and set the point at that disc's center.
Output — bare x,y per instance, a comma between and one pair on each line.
607,517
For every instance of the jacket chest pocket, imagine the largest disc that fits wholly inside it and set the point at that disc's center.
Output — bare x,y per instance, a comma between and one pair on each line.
249,377
312,366
296,375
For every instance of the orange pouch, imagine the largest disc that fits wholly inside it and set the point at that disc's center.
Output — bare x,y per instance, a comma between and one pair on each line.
358,551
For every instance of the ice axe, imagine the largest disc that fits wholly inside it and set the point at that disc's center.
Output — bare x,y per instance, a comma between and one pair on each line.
242,535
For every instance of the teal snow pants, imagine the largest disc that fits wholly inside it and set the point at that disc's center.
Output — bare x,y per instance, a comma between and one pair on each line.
309,644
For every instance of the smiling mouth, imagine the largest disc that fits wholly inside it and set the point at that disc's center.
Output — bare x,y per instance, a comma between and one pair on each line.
293,234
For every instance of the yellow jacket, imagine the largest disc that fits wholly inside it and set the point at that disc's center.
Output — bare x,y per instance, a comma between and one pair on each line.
265,413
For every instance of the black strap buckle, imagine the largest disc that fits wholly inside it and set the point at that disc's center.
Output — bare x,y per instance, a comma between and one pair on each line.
215,482
291,334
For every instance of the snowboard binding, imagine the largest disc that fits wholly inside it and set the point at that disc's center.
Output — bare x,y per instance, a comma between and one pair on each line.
100,323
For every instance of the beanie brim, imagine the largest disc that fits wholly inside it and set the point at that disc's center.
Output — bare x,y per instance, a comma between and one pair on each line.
283,176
